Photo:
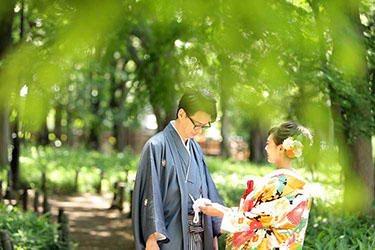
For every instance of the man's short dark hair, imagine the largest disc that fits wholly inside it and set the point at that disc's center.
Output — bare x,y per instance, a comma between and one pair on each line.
195,100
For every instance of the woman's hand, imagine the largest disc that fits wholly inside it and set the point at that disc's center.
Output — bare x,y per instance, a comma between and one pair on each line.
214,209
216,244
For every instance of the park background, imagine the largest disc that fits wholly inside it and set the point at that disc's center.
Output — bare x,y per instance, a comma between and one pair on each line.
83,84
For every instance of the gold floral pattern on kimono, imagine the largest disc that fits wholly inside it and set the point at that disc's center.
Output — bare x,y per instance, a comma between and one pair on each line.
273,216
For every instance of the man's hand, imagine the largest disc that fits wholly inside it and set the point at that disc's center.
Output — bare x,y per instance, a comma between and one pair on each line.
151,243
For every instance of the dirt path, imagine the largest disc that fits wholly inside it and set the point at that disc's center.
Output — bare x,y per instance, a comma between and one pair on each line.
92,225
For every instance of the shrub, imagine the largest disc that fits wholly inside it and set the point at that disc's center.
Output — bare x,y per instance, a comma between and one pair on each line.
27,230
329,229
61,165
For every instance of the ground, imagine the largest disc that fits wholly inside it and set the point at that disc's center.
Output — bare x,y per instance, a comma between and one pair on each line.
93,226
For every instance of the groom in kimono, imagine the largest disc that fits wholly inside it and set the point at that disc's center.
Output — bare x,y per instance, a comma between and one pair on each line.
172,174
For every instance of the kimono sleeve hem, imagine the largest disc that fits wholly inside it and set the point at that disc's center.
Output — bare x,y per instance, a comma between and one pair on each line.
227,226
160,237
216,224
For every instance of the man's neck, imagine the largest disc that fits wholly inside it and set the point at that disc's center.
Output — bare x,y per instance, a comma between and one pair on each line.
177,125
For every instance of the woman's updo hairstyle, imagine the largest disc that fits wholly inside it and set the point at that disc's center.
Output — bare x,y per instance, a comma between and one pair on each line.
290,129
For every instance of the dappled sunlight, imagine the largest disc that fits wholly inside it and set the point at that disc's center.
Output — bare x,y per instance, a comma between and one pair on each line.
330,195
93,224
84,84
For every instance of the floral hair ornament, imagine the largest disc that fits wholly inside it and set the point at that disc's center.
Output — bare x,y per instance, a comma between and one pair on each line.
293,148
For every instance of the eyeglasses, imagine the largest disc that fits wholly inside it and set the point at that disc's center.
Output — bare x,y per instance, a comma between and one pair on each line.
197,126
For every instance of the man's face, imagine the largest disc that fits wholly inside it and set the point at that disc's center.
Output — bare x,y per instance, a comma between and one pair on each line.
199,118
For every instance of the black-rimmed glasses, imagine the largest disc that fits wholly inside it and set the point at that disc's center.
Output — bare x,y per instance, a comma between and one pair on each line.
197,126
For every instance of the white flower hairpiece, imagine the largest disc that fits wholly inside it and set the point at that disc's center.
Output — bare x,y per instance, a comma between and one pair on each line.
293,148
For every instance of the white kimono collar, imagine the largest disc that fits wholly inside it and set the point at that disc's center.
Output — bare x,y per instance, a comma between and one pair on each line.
293,173
187,145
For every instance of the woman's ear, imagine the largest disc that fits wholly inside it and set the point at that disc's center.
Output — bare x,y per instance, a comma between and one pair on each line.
281,147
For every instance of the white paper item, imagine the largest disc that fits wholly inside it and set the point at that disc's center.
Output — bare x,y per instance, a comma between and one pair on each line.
201,202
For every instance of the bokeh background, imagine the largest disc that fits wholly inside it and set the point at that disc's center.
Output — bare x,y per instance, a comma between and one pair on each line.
83,85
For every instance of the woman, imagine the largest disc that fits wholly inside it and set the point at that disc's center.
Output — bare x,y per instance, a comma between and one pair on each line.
275,213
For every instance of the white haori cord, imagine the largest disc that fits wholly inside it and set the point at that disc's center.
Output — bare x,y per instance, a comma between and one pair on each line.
201,202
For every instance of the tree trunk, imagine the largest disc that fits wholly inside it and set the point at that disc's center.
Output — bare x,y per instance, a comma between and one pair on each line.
163,117
359,178
362,163
225,130
4,137
171,111
58,118
43,134
361,148
162,95
257,143
359,169
6,20
15,162
226,91
69,132
159,117
116,104
93,139
120,135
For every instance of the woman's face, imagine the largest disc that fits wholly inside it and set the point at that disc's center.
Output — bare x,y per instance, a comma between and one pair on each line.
274,152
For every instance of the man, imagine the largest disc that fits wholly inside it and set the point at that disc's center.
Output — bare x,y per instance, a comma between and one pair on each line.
172,174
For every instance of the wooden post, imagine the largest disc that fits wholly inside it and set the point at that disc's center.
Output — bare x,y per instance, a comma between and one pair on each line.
46,206
63,228
9,190
121,189
115,193
25,198
126,176
59,221
114,204
65,234
131,203
76,181
6,243
1,190
59,216
36,202
9,193
44,183
99,189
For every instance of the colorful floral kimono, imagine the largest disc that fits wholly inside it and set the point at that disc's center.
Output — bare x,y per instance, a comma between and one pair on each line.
274,215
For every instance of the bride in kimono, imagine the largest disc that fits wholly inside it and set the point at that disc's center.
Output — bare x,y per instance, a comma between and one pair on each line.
273,213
